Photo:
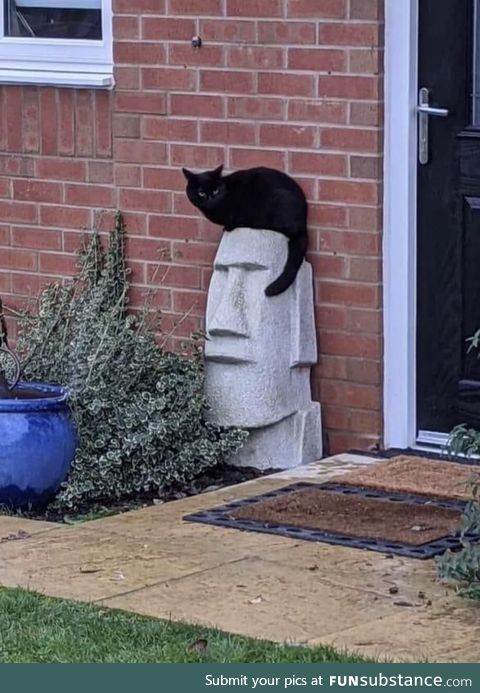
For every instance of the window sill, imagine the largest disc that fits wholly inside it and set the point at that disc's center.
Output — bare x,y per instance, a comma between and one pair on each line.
79,80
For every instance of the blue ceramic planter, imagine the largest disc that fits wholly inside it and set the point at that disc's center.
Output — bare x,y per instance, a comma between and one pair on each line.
37,444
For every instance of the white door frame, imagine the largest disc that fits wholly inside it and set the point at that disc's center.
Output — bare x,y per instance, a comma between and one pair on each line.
399,222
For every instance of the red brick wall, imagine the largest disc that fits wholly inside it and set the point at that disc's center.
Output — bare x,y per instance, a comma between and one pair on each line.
294,84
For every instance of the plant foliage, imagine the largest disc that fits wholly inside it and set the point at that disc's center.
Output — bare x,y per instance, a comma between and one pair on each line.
464,565
140,410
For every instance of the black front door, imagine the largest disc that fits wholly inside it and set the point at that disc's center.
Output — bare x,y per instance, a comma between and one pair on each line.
448,246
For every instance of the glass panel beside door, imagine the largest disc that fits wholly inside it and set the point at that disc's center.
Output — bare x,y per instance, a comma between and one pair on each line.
60,19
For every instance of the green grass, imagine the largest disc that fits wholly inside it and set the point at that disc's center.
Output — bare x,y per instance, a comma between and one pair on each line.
34,628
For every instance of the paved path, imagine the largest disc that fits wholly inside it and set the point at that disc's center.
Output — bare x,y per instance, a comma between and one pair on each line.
151,562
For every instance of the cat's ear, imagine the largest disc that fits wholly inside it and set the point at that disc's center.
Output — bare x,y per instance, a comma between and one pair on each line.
218,171
188,174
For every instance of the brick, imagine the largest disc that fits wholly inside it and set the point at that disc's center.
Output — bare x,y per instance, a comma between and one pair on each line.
364,371
100,172
345,87
135,151
330,266
169,129
138,53
318,164
249,158
227,81
195,253
193,302
347,191
195,7
349,242
140,102
226,31
286,84
5,188
196,156
167,29
228,132
168,78
126,27
316,111
4,235
13,116
145,200
135,222
38,191
257,109
182,276
126,126
66,121
139,6
353,395
84,123
367,321
70,217
326,215
255,8
368,61
35,237
57,264
286,33
90,195
176,227
351,140
365,219
366,9
197,105
48,120
164,178
255,57
317,59
186,54
126,77
315,9
60,168
31,120
19,259
151,249
349,294
103,124
288,136
366,114
17,211
128,175
349,34
366,167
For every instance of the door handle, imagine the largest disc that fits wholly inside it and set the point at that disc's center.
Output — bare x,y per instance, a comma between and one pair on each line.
424,112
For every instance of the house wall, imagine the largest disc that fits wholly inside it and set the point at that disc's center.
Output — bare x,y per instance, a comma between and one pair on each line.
293,84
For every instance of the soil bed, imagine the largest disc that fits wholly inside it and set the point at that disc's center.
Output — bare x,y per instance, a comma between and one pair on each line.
355,516
211,480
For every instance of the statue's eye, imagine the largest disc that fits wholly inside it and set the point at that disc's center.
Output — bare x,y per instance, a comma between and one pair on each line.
216,191
202,193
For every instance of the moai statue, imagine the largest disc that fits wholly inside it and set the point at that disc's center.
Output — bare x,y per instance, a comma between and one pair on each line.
259,351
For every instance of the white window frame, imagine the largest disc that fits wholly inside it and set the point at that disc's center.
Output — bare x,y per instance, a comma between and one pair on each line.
59,62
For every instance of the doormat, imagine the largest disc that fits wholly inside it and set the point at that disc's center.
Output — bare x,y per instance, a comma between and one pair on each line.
387,522
417,475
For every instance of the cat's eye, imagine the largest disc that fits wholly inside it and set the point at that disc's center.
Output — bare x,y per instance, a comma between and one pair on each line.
216,191
202,193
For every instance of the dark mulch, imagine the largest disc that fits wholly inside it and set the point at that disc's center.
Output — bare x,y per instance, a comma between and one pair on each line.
211,480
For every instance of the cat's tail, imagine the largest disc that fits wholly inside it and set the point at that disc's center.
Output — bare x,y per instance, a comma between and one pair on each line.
297,247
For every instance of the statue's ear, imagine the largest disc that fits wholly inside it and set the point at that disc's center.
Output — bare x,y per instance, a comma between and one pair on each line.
188,174
218,171
303,345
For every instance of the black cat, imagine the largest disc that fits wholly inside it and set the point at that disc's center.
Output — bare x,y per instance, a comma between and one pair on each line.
256,198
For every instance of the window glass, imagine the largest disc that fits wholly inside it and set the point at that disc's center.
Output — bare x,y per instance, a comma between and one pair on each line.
60,19
476,64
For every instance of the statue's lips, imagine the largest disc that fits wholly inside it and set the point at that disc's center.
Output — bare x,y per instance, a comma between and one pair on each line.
217,357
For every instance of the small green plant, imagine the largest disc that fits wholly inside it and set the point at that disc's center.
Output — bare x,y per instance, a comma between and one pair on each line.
140,410
464,565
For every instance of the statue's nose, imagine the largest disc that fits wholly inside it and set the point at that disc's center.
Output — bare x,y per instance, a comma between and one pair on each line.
230,317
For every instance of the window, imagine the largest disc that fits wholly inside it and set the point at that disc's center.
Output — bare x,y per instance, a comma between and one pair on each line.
56,42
